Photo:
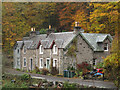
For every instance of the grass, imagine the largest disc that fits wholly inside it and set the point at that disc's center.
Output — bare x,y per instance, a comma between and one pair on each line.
19,81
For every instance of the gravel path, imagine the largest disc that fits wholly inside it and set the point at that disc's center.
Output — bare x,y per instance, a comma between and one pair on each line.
96,83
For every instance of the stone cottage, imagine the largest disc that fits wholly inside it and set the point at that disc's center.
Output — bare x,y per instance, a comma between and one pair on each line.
63,48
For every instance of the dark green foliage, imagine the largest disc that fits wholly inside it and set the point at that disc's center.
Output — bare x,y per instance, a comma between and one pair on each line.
70,68
37,70
25,77
73,48
68,85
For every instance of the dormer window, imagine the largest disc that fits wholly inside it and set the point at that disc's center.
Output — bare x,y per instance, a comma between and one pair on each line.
54,49
105,47
41,49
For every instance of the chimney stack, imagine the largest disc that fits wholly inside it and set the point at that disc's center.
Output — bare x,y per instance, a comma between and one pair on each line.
50,30
31,29
49,26
33,32
34,29
77,28
76,24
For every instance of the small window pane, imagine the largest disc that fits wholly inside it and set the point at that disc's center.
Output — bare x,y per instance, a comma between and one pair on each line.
18,50
24,61
105,46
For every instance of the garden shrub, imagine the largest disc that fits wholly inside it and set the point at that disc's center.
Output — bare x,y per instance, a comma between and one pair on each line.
54,71
112,68
69,85
83,66
25,77
18,69
37,69
99,65
45,71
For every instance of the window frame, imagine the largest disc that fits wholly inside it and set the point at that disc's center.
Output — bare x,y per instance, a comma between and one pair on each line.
106,46
54,49
46,63
55,64
24,58
40,49
41,63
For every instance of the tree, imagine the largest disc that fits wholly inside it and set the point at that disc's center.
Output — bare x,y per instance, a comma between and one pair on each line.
112,62
103,18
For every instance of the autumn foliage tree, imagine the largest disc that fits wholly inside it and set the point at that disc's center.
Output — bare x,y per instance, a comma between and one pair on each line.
112,62
18,18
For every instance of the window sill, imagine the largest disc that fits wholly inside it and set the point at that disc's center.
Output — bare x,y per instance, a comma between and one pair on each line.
40,53
54,53
40,67
105,50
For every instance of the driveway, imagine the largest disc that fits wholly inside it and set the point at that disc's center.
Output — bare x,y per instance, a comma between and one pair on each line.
96,83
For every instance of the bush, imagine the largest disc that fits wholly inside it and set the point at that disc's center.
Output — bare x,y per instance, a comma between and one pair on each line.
45,71
54,71
18,69
83,66
25,77
37,70
99,65
68,85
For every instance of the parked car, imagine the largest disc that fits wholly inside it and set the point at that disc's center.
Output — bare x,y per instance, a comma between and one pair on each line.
94,73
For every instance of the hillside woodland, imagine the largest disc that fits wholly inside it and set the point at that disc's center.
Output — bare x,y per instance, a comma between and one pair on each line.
18,18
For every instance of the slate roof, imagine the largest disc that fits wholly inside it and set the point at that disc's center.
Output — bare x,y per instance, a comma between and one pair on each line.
94,38
62,39
19,44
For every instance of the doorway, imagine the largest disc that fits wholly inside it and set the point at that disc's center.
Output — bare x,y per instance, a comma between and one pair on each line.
47,63
31,62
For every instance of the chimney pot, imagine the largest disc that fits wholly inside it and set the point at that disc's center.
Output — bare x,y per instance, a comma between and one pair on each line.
34,29
76,24
31,29
49,26
77,28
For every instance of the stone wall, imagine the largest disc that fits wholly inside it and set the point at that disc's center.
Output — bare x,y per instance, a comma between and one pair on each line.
100,55
30,54
17,56
83,54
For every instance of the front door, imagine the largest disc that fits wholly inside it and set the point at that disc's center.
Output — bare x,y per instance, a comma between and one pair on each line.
48,63
31,61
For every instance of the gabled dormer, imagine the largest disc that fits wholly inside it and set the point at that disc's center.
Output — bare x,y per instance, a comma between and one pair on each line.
40,47
54,48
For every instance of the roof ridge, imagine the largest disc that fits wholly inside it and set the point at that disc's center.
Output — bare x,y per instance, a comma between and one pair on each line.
97,33
61,32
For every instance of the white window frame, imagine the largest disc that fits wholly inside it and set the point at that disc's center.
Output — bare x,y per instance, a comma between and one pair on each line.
54,50
40,63
40,49
46,62
23,62
106,46
54,62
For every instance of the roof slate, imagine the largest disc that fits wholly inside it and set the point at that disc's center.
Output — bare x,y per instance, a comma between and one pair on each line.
94,38
62,39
